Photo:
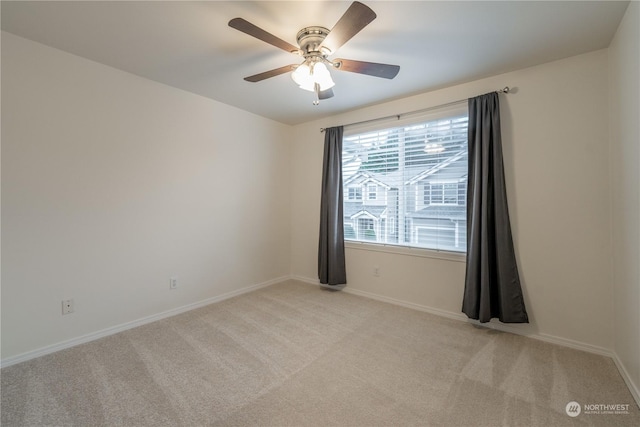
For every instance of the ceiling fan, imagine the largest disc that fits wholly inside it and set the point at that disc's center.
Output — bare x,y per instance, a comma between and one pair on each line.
315,45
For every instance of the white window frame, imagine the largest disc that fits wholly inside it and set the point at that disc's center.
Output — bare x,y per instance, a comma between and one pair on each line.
402,242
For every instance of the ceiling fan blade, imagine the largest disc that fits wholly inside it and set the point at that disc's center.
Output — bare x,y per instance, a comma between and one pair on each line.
325,94
271,73
257,32
385,71
354,19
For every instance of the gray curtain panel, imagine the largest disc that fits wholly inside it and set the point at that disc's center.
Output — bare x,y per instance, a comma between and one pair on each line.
331,263
492,284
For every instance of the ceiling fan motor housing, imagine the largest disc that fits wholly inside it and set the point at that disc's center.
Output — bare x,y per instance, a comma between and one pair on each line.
310,41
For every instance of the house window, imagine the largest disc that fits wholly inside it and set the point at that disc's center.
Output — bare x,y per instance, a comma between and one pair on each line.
366,224
462,193
372,192
355,193
437,196
422,166
366,229
443,194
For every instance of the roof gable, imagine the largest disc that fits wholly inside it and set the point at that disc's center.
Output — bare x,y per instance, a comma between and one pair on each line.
458,157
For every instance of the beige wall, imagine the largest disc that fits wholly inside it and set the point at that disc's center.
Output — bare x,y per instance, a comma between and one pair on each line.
555,135
111,184
625,159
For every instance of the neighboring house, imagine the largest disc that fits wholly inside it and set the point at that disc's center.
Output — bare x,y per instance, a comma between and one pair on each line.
365,210
437,217
433,214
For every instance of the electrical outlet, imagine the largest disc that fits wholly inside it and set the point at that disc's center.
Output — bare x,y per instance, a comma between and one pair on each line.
67,306
376,271
173,283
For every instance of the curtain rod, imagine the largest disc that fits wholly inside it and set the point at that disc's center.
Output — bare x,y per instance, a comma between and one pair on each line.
503,90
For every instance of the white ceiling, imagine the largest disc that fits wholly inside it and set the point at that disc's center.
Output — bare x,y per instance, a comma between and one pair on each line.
188,45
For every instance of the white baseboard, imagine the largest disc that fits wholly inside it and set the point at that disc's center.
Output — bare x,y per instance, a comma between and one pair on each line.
306,280
633,388
133,324
565,342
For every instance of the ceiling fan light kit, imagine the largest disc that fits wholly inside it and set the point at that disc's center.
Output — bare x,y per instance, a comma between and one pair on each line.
312,74
308,76
315,45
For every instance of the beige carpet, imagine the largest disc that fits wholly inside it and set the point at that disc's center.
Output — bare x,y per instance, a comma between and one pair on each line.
298,355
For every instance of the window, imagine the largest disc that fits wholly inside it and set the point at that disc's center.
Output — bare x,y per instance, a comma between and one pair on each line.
354,193
366,229
441,194
421,166
366,224
426,192
372,192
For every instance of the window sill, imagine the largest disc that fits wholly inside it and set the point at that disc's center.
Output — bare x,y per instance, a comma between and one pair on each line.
406,250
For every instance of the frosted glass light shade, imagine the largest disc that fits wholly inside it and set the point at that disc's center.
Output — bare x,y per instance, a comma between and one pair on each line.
322,76
307,77
302,76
